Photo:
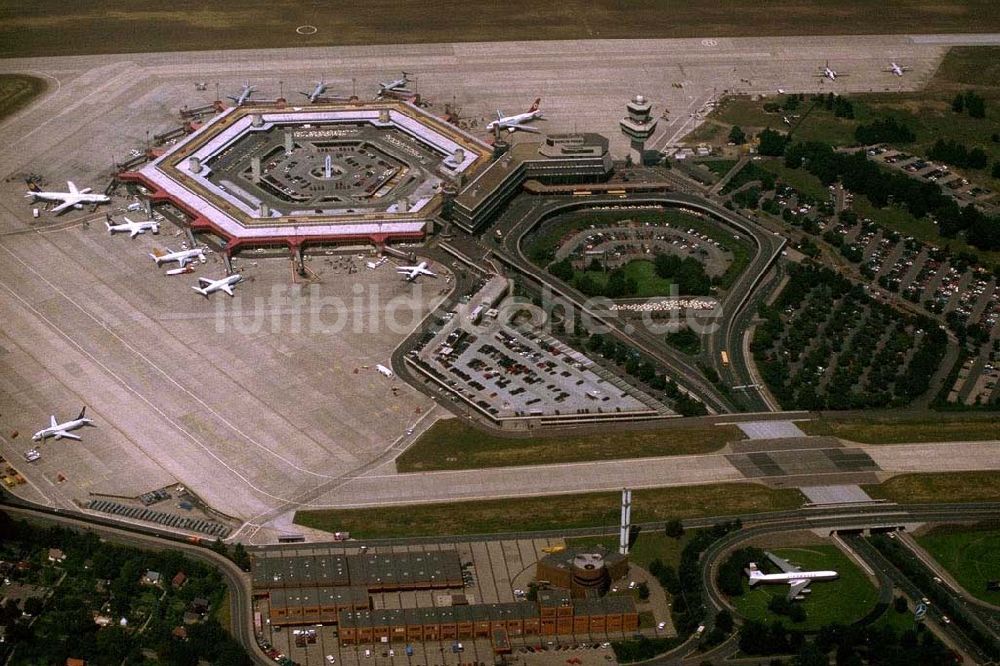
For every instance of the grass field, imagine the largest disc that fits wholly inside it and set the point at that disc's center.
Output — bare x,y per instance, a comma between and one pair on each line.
106,26
17,91
647,283
800,179
971,556
844,600
551,513
903,429
942,487
453,444
224,613
719,167
648,546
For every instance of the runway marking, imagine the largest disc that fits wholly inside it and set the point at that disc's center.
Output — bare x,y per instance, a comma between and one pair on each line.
151,364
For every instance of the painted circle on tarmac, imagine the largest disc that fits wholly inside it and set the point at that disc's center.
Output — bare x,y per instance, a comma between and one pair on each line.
307,30
709,42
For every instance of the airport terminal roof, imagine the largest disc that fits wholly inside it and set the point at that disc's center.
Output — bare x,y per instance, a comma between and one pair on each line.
320,567
518,610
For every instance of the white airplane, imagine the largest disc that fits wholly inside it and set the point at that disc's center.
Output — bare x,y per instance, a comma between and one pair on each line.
398,86
245,94
316,93
75,198
134,228
226,284
797,579
829,73
181,256
514,123
60,430
896,69
410,273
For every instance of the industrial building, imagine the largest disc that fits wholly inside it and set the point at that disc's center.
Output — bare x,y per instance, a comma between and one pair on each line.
315,586
552,615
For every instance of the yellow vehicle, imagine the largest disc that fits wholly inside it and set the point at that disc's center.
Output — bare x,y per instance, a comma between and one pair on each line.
553,549
725,359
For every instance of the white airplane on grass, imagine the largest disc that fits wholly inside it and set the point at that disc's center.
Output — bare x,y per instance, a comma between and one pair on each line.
410,273
397,86
60,430
797,579
898,70
134,228
182,257
316,93
244,95
75,198
514,123
226,284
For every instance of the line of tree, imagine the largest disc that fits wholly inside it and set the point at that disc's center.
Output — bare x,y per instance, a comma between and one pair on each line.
958,154
646,371
687,273
861,176
884,130
969,102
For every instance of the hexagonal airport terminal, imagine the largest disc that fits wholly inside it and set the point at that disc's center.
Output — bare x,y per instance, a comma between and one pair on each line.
328,173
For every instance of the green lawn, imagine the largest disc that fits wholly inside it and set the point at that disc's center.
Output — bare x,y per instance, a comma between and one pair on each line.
454,444
800,179
940,487
106,26
844,600
597,510
971,556
649,545
17,91
719,167
647,283
899,622
893,429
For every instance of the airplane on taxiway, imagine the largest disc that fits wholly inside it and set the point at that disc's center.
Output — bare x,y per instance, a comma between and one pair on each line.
60,430
182,257
517,122
75,198
134,228
225,284
410,273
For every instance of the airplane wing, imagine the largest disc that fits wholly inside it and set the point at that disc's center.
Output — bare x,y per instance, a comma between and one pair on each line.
182,261
783,564
53,422
72,187
228,289
424,271
67,435
63,206
796,587
135,232
528,128
404,269
499,114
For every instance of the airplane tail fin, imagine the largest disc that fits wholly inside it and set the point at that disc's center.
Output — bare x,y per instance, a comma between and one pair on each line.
108,225
754,573
83,413
534,107
33,186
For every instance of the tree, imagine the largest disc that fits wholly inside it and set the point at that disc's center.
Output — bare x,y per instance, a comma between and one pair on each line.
643,590
772,143
241,557
674,528
33,606
958,104
899,604
737,135
724,620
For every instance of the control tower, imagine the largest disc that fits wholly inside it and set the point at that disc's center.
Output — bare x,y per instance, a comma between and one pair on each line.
638,126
